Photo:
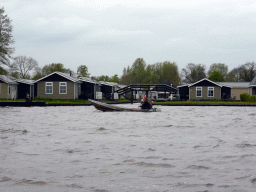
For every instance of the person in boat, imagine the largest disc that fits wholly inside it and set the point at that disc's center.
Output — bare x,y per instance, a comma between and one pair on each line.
145,104
28,98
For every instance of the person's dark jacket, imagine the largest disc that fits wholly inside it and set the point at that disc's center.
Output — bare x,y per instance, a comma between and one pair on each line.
28,99
146,105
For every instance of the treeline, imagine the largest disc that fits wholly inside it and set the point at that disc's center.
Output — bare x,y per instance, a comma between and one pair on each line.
139,72
142,73
218,72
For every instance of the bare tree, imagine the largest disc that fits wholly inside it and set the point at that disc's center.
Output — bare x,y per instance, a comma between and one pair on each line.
24,65
193,73
247,71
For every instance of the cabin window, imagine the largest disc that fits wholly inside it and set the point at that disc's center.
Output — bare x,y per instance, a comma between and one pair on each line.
48,88
9,89
199,91
210,91
63,87
0,88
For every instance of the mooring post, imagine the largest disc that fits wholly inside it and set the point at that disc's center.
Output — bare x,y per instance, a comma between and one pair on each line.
132,98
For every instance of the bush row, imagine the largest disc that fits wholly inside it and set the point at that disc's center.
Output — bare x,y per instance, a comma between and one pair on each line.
41,99
247,98
213,100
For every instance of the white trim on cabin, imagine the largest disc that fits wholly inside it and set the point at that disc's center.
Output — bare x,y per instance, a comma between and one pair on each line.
208,92
61,86
61,74
206,80
199,88
49,84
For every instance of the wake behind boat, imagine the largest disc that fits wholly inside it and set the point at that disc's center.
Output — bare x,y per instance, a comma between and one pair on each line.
106,107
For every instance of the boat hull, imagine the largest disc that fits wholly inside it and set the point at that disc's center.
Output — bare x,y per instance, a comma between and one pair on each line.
106,107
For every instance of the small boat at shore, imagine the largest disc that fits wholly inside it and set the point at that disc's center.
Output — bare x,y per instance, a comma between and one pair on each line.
106,107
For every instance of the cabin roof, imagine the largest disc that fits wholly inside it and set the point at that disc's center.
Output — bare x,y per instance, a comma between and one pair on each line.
25,81
235,84
112,84
205,79
7,79
186,85
253,82
65,75
88,80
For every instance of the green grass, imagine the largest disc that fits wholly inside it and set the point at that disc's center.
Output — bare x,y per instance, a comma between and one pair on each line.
205,103
59,101
46,100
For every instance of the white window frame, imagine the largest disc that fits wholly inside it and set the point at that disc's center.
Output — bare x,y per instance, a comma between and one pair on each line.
209,91
63,84
50,84
199,88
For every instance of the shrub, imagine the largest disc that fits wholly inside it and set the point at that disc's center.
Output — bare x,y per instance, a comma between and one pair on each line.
253,98
245,97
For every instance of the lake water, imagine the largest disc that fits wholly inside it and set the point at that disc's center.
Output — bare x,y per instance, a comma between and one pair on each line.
82,149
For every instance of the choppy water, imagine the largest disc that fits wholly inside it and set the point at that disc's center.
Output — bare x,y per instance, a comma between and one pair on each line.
82,149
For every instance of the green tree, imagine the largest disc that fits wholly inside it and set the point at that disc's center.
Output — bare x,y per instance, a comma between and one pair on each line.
150,74
3,71
138,71
82,71
134,74
170,72
114,78
216,76
15,75
102,78
220,67
48,69
37,76
6,38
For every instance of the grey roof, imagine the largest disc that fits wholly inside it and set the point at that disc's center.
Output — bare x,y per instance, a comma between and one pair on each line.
109,83
235,84
186,85
7,79
25,81
88,80
65,75
253,82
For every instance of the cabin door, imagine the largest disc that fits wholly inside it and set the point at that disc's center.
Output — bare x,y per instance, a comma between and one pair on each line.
14,91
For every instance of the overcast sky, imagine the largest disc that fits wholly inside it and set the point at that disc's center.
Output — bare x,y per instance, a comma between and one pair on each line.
107,36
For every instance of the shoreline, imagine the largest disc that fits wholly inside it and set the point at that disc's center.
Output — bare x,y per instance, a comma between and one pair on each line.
45,104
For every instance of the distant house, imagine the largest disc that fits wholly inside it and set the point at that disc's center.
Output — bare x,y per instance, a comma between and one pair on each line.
89,88
25,87
205,89
8,88
184,92
164,94
59,85
237,88
108,89
252,87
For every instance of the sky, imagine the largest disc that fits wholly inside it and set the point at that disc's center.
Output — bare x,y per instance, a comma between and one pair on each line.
108,36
